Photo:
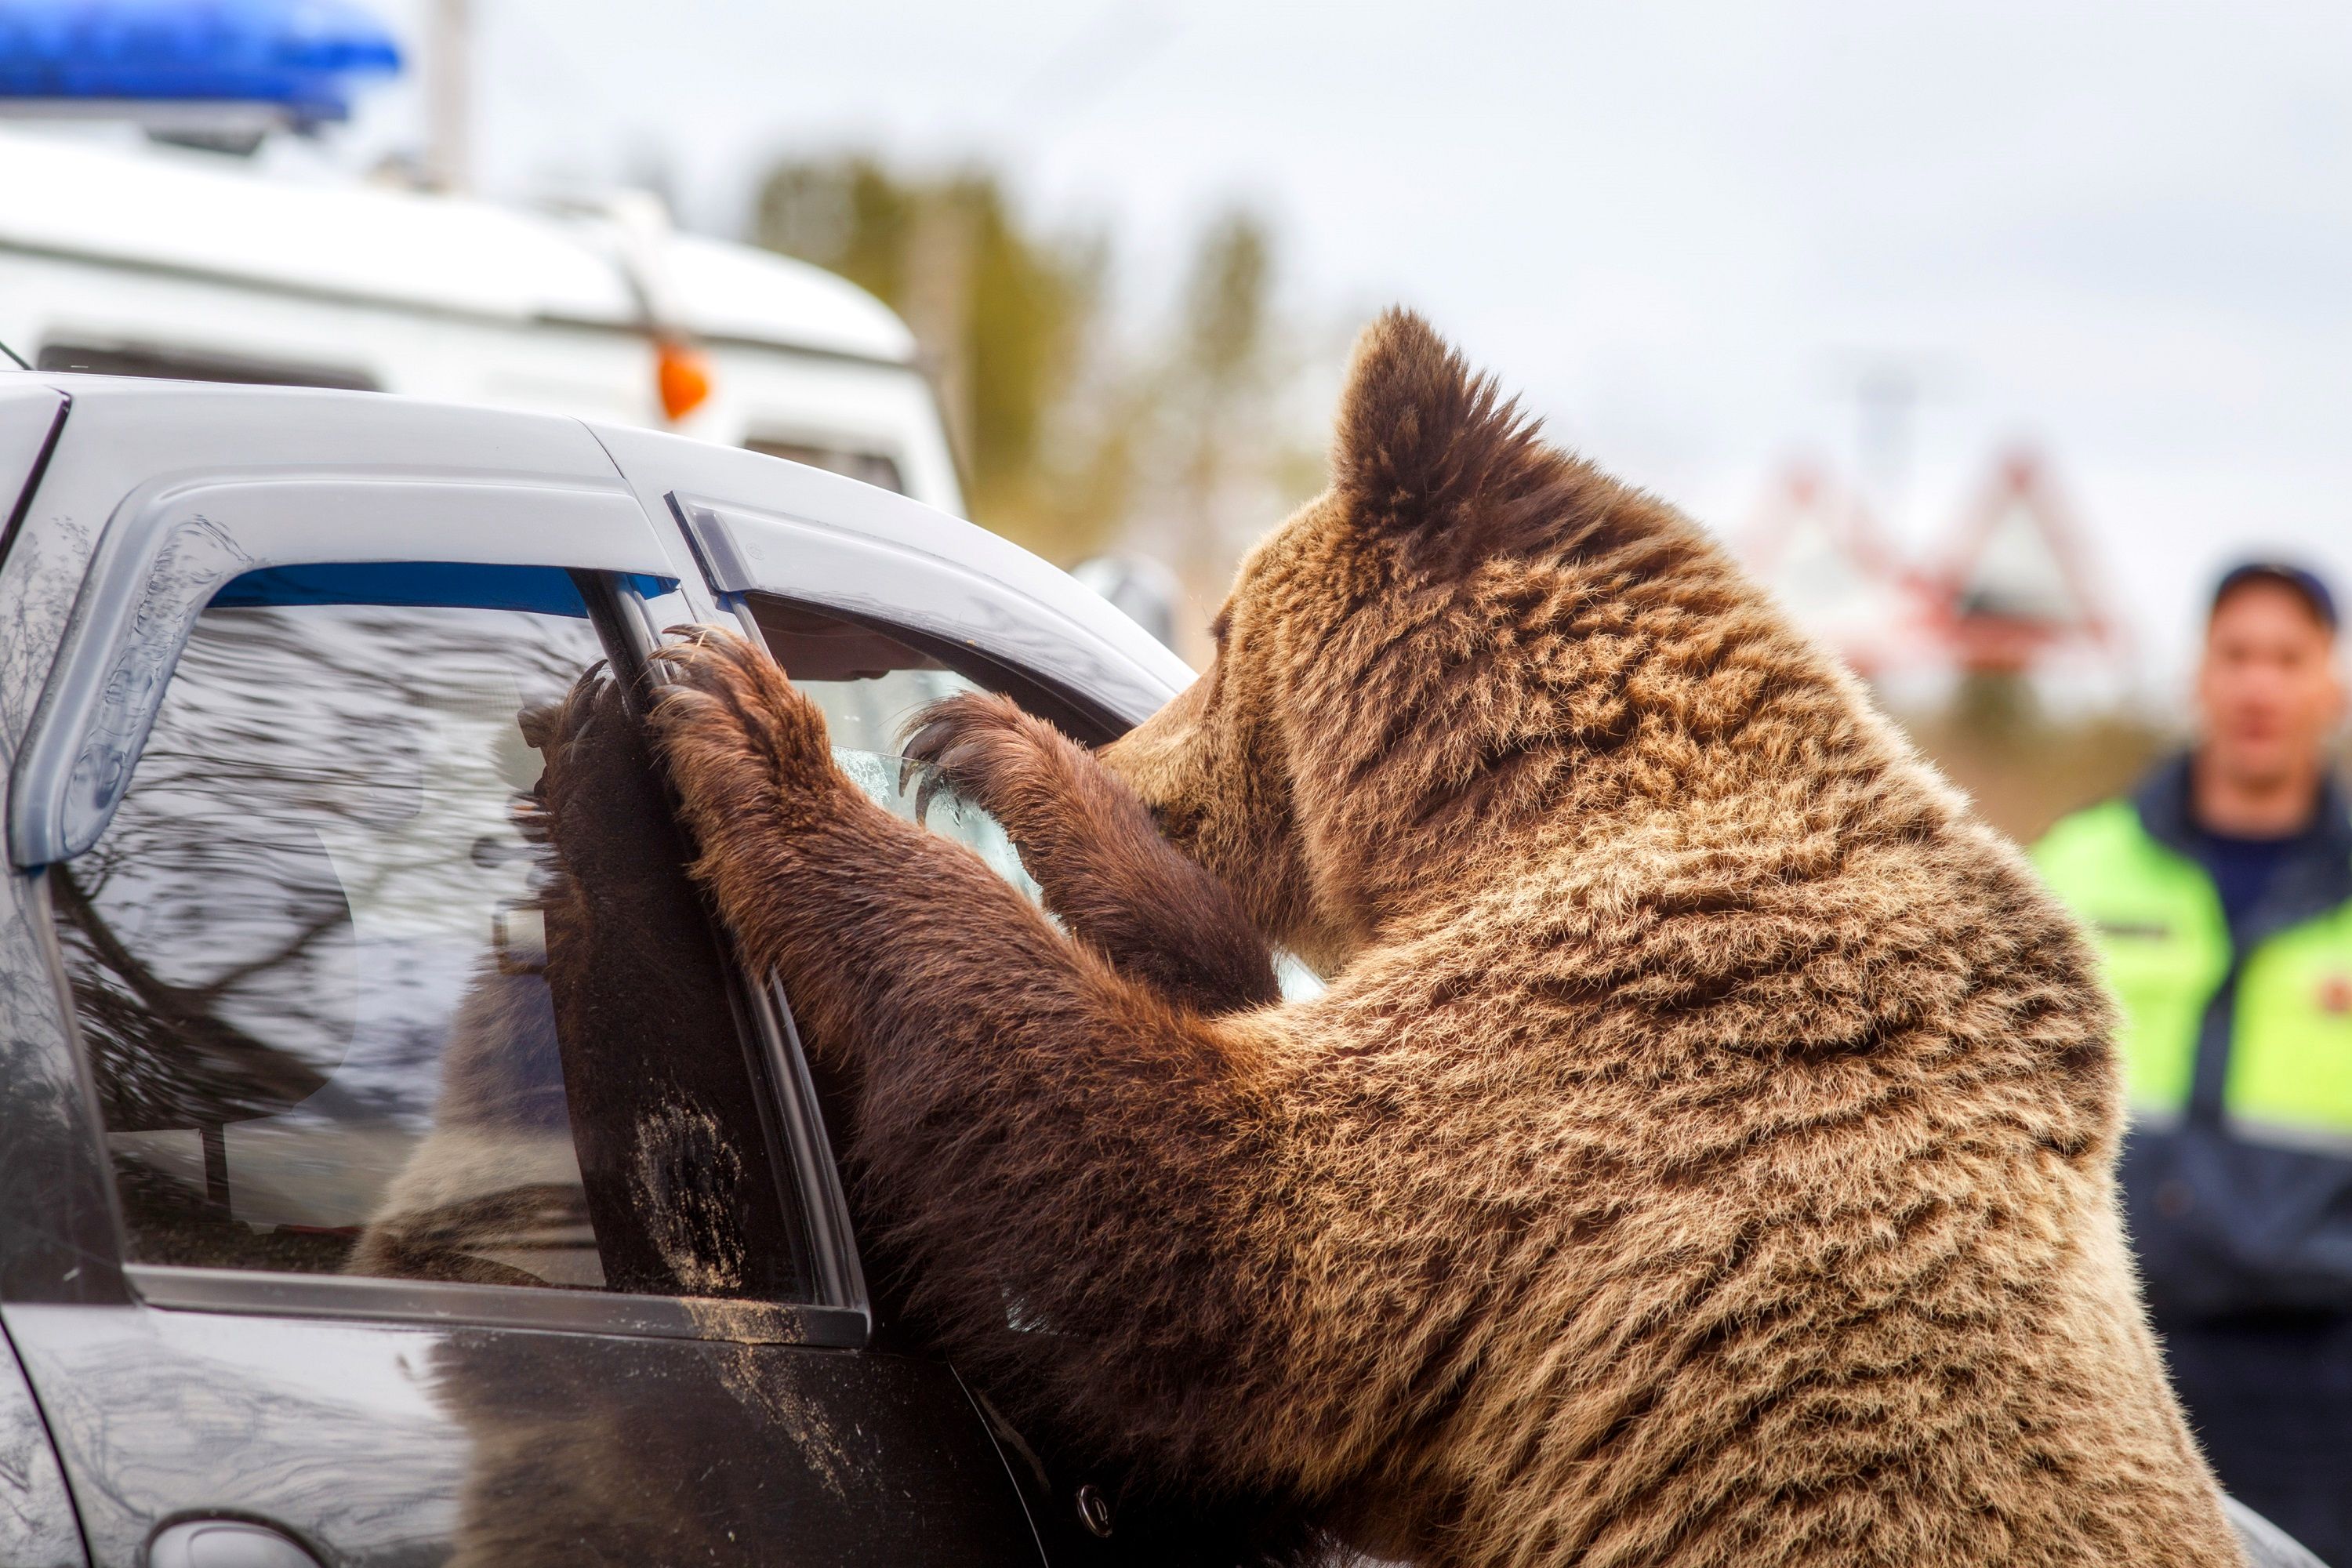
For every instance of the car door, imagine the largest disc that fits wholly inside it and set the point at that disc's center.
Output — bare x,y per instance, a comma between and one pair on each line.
396,1170
877,605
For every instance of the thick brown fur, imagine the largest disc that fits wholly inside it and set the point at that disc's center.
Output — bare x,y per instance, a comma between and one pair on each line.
1702,1154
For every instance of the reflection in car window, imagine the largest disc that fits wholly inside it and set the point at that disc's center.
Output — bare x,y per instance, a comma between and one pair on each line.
388,963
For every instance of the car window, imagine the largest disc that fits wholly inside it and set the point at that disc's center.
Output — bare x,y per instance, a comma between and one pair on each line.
877,469
870,681
388,963
175,364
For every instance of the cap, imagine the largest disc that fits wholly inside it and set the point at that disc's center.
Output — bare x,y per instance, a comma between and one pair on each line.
2301,579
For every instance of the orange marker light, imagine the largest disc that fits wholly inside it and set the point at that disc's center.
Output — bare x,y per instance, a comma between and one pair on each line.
683,377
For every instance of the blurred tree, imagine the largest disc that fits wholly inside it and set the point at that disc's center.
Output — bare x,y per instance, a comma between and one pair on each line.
1219,460
1218,379
1072,434
1006,320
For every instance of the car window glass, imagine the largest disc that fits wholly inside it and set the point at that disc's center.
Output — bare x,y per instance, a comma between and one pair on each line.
877,469
388,963
869,683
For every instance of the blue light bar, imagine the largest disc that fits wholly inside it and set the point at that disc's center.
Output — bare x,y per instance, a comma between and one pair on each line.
294,54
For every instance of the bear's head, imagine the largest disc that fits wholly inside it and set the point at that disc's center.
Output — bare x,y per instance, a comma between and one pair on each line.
1421,663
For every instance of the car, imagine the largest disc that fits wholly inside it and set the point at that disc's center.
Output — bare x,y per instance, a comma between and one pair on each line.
396,1166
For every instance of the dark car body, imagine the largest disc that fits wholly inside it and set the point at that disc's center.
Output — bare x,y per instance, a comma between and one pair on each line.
208,1360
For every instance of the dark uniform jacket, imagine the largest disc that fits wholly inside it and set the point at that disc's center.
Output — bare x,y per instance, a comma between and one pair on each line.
2237,1045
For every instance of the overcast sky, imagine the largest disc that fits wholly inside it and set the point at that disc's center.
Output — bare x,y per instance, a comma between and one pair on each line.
2123,232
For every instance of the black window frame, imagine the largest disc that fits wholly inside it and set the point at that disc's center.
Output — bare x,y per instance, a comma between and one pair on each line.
173,361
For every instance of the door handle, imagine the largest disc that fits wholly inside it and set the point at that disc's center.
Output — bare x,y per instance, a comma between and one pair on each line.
226,1543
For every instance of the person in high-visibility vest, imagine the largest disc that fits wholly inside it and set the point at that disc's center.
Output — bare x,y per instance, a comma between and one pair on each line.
2219,896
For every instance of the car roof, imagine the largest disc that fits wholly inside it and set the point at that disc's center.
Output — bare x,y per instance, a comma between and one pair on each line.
429,434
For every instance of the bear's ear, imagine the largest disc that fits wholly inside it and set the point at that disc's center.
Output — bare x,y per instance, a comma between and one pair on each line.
1419,437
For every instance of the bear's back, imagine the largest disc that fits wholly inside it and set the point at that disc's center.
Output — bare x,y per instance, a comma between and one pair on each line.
1741,1167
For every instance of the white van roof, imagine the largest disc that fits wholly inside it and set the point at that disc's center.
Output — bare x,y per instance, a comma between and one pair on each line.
171,212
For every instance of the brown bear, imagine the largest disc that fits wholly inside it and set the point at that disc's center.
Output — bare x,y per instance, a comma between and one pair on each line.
1702,1154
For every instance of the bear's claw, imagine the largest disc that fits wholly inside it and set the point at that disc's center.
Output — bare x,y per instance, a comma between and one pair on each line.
962,744
742,743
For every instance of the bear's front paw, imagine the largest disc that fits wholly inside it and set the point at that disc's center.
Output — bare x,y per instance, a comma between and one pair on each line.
744,748
592,791
977,745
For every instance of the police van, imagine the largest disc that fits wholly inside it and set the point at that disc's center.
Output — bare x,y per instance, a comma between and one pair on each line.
163,261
